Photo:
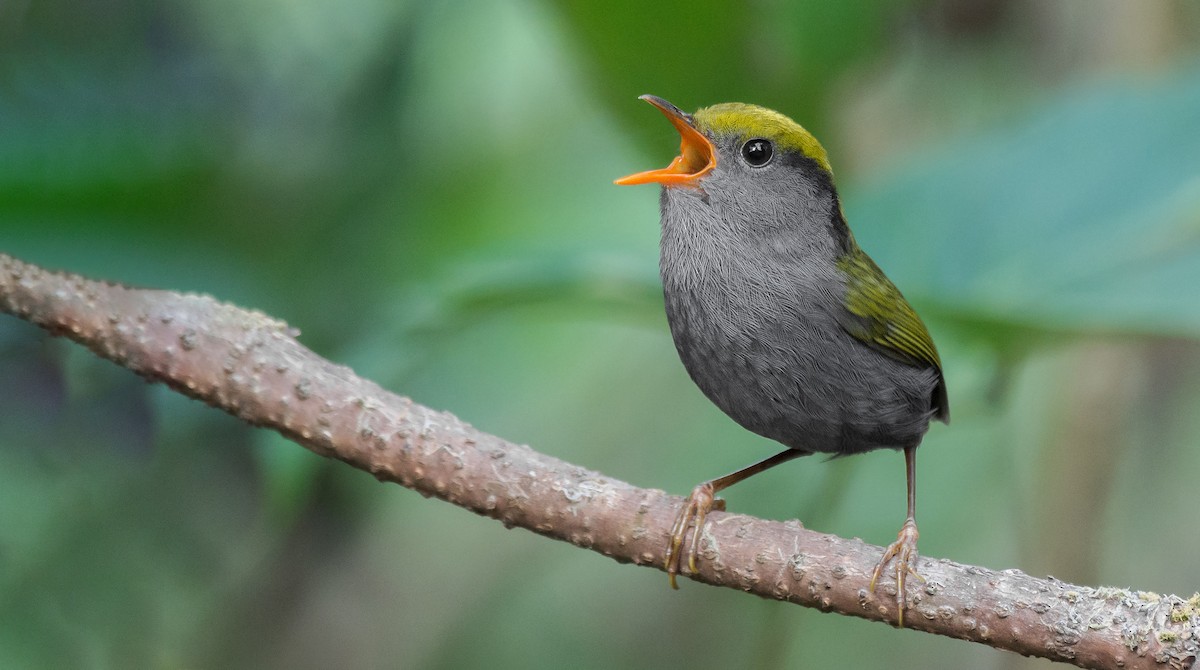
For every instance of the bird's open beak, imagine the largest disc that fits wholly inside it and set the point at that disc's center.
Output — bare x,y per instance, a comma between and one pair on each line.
696,154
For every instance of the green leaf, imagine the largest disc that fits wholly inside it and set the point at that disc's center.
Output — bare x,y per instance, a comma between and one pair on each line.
1084,217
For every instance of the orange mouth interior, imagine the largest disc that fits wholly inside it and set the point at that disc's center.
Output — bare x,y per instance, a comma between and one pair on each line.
696,154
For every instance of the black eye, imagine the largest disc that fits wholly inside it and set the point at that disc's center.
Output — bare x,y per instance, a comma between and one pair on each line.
758,152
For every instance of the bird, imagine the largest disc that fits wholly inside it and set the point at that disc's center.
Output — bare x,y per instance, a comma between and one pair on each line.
779,317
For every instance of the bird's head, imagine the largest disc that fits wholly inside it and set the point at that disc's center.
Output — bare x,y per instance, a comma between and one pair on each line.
749,168
733,139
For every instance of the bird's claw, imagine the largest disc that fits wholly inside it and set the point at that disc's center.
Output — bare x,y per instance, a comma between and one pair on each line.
904,550
701,501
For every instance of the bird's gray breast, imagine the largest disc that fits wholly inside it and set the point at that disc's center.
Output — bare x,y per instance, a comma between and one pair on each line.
756,328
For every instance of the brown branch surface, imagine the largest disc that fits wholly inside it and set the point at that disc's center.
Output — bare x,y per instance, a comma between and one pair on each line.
251,366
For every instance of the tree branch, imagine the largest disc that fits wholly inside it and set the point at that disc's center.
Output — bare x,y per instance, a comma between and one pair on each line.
251,366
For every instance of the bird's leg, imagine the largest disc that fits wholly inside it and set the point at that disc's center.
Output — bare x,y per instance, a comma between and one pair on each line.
904,549
702,500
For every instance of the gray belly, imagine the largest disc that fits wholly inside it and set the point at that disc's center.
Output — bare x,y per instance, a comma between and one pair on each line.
790,373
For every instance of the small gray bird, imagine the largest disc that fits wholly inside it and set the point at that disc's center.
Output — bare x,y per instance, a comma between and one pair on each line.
777,314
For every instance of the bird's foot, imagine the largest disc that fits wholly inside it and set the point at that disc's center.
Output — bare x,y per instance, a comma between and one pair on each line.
904,550
701,501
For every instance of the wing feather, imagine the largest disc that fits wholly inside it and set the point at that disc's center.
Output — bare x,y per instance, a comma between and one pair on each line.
876,313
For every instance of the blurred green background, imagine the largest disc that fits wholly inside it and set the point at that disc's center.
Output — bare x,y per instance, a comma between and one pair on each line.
424,189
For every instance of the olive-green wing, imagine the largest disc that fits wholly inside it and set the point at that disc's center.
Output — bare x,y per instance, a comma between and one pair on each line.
880,316
877,314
